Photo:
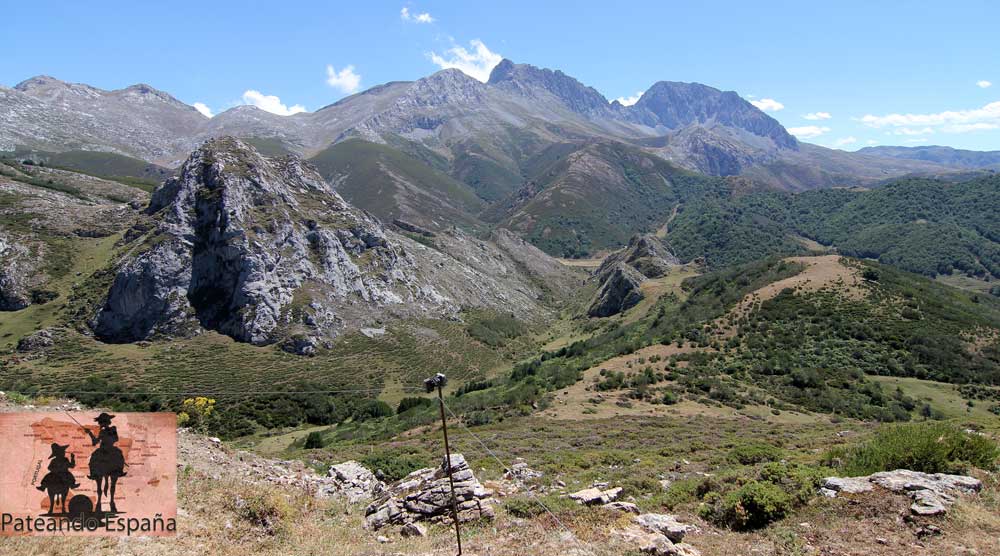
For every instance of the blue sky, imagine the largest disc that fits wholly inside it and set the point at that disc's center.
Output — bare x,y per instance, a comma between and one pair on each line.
903,73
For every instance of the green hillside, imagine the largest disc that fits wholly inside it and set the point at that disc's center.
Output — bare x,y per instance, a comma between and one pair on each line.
118,167
932,227
391,184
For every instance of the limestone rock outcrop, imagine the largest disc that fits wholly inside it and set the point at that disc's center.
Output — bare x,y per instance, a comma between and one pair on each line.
619,292
258,249
932,494
352,481
425,495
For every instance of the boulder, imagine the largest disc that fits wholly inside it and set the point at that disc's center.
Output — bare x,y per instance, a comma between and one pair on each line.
932,494
626,507
595,496
413,530
352,481
425,495
36,341
655,543
665,524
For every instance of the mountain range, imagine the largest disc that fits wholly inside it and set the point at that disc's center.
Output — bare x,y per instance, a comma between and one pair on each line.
475,130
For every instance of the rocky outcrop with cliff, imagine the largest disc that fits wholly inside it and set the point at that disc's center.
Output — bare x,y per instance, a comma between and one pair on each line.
264,250
622,273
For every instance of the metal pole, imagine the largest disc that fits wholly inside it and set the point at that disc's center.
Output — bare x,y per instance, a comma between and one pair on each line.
451,481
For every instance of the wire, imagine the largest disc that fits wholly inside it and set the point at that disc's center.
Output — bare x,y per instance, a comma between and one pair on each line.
582,544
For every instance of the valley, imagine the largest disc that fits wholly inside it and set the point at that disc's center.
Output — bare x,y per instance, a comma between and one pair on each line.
675,303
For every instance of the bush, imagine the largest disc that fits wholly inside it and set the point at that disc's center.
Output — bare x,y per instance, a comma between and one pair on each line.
750,454
314,441
394,464
927,447
753,505
409,403
371,409
267,509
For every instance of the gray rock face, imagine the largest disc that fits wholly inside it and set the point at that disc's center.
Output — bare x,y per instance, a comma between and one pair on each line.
619,292
530,81
622,272
425,495
352,481
932,494
645,253
256,249
15,274
675,105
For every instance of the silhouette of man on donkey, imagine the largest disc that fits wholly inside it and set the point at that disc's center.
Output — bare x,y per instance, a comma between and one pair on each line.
59,479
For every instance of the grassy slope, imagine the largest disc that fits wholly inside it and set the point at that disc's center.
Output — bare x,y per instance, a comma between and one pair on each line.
583,199
118,167
391,184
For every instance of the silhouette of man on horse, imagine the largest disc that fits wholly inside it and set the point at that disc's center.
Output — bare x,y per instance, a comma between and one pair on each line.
107,464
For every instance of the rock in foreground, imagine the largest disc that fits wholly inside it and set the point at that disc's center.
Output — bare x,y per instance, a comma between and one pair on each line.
932,494
425,495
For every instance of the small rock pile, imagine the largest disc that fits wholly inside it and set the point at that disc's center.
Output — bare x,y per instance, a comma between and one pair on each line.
425,495
519,471
660,535
932,494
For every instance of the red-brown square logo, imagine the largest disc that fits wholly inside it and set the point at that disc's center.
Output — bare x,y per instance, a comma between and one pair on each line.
88,473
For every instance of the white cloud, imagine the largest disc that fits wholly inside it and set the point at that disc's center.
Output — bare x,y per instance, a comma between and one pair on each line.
270,103
204,109
476,64
911,131
949,121
808,131
405,15
871,142
345,80
983,84
767,104
817,116
629,101
845,141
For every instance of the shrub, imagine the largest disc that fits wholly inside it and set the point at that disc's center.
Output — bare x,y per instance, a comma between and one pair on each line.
394,464
928,447
314,441
750,454
267,509
409,403
371,409
751,506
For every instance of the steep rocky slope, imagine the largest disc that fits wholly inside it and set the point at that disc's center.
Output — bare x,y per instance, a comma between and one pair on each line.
265,250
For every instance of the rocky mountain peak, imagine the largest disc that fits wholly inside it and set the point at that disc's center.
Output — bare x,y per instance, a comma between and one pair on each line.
445,87
527,80
37,82
48,88
674,105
